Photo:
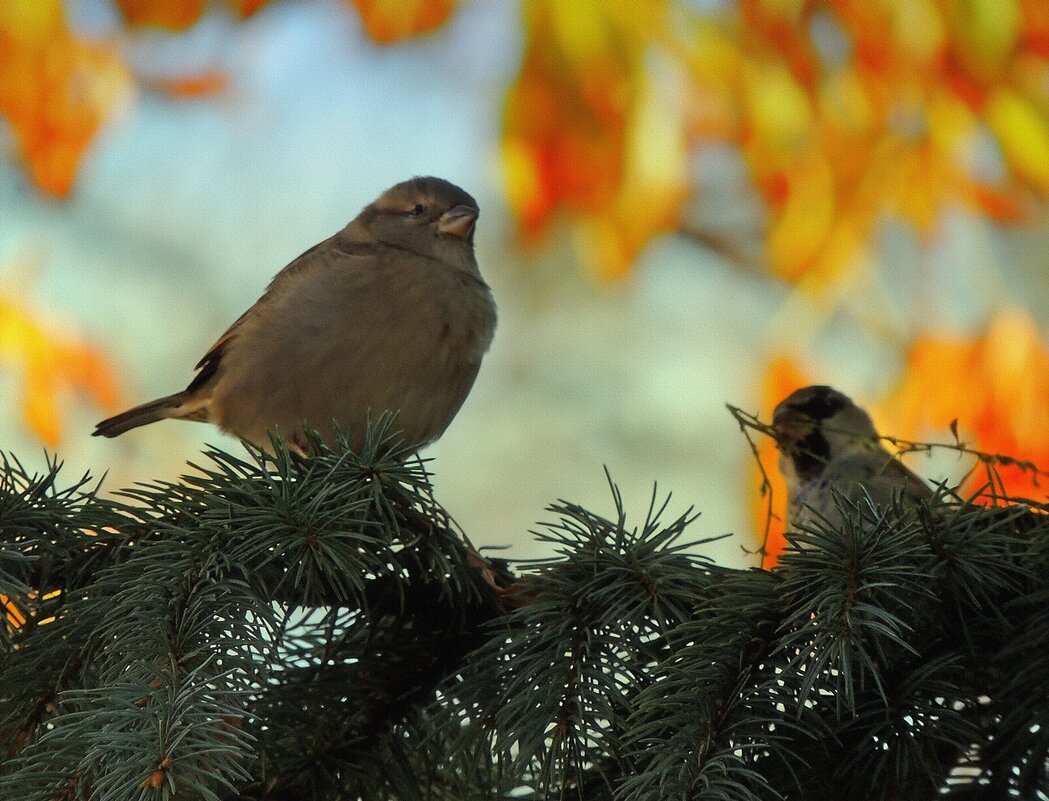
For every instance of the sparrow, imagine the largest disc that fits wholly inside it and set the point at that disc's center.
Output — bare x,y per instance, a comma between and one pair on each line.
389,314
829,445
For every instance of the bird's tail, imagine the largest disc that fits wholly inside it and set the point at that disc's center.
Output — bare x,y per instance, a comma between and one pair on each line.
181,406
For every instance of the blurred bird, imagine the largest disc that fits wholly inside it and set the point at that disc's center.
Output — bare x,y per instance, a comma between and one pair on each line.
829,445
390,314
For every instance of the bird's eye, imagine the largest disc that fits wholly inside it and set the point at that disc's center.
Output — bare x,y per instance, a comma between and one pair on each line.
417,210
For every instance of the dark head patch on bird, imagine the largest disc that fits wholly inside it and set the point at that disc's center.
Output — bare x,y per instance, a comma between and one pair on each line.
818,402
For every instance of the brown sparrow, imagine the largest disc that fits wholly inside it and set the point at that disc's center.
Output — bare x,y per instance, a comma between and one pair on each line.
389,314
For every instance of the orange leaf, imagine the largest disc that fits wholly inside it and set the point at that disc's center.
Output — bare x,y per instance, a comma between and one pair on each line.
1003,205
245,8
1036,26
390,21
781,24
995,385
565,119
189,86
15,616
55,91
173,15
782,376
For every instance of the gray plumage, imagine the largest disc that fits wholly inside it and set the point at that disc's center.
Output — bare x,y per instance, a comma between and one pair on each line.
829,444
389,314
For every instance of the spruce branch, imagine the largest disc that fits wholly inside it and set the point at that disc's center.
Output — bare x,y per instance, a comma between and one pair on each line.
279,627
549,695
176,618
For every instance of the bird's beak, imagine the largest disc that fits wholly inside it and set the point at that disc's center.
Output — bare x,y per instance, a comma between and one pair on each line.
458,221
791,427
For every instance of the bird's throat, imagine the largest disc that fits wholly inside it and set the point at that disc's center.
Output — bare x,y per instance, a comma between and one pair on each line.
810,455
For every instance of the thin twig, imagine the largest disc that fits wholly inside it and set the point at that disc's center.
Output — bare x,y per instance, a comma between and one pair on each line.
990,459
746,421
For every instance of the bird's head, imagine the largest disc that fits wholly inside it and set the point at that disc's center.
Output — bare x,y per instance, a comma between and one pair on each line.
817,423
427,216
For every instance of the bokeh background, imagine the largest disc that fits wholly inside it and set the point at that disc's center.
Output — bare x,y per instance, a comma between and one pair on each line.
684,204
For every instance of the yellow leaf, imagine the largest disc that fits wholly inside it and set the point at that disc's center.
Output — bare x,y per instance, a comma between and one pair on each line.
653,184
587,131
844,103
917,29
985,33
1023,134
801,228
922,177
950,123
50,365
778,110
30,20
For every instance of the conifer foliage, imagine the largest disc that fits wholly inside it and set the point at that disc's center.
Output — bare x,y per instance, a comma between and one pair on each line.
283,627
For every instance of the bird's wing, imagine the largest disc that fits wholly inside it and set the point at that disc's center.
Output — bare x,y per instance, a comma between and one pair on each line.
876,474
314,258
908,482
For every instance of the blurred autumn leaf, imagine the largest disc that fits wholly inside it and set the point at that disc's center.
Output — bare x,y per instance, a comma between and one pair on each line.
50,365
56,91
177,15
996,384
588,130
189,86
852,110
385,21
390,21
843,110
